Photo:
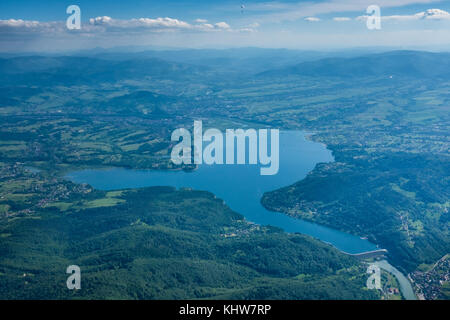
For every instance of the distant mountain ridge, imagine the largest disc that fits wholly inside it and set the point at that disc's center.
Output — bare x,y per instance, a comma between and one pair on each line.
395,63
70,70
73,70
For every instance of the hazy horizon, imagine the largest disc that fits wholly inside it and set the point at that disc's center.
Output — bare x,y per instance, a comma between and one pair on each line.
320,25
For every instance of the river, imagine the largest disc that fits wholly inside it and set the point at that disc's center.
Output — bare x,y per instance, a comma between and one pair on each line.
405,285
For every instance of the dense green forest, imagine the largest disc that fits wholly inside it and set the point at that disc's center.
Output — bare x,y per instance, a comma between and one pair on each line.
160,243
385,204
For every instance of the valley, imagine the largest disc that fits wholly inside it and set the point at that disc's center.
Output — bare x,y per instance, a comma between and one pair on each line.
388,183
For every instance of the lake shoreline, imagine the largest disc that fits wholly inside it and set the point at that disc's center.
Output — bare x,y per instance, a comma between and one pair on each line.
242,188
299,156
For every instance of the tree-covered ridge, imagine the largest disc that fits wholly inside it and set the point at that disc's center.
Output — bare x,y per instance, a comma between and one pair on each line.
387,206
159,243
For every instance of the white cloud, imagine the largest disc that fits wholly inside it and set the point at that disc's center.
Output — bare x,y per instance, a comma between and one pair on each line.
434,14
430,14
141,22
301,10
107,31
254,25
19,25
222,25
341,19
207,26
103,24
100,20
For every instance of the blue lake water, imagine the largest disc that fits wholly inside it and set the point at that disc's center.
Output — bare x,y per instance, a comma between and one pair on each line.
241,187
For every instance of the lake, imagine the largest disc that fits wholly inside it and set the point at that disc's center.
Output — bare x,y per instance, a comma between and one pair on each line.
241,187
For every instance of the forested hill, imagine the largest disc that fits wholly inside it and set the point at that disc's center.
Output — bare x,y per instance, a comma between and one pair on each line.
159,243
391,64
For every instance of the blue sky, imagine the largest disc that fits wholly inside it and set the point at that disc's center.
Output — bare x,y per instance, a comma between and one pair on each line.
324,24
